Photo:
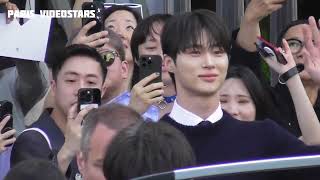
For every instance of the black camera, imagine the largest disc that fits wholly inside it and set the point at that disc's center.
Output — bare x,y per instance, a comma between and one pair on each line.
88,97
98,8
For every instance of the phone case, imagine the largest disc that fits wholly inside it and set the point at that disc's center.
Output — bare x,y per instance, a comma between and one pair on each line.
266,49
88,96
150,64
98,7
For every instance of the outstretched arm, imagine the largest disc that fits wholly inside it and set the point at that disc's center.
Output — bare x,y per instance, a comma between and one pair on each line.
307,118
249,27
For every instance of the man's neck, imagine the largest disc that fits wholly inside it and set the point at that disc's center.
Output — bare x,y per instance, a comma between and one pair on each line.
60,119
169,90
112,93
202,106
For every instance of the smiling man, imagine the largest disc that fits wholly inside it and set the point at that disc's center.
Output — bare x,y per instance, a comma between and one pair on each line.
196,46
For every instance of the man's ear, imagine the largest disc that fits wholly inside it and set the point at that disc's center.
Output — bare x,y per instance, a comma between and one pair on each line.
81,161
103,89
169,63
53,85
125,69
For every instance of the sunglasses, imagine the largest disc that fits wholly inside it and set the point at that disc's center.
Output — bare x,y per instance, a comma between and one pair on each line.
109,57
133,6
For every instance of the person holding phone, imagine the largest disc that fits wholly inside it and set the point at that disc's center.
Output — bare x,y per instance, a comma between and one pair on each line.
197,45
146,42
122,20
76,67
6,140
302,54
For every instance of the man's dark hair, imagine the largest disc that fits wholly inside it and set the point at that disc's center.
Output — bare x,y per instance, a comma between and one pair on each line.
107,12
288,26
139,36
184,31
35,169
114,116
146,148
77,50
143,29
260,97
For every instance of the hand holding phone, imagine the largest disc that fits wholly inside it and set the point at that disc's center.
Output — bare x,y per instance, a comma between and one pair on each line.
88,97
266,49
6,110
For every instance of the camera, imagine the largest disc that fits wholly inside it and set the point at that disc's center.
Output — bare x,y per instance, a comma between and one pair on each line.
88,97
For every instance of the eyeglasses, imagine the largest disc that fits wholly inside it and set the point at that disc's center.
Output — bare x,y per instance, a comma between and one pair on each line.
134,6
109,57
295,45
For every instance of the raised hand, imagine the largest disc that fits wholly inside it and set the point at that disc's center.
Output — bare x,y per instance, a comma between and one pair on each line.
6,138
312,53
254,13
72,136
93,40
143,95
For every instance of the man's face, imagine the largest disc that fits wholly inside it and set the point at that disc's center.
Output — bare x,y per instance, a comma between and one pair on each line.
296,33
152,46
117,72
77,72
123,22
90,165
199,70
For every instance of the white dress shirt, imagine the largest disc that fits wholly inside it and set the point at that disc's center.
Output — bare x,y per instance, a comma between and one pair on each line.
187,118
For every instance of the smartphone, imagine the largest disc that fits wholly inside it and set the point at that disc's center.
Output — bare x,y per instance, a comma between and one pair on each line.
88,97
98,8
6,109
149,64
266,49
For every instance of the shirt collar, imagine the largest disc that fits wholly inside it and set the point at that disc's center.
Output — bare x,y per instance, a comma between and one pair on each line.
187,118
121,96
